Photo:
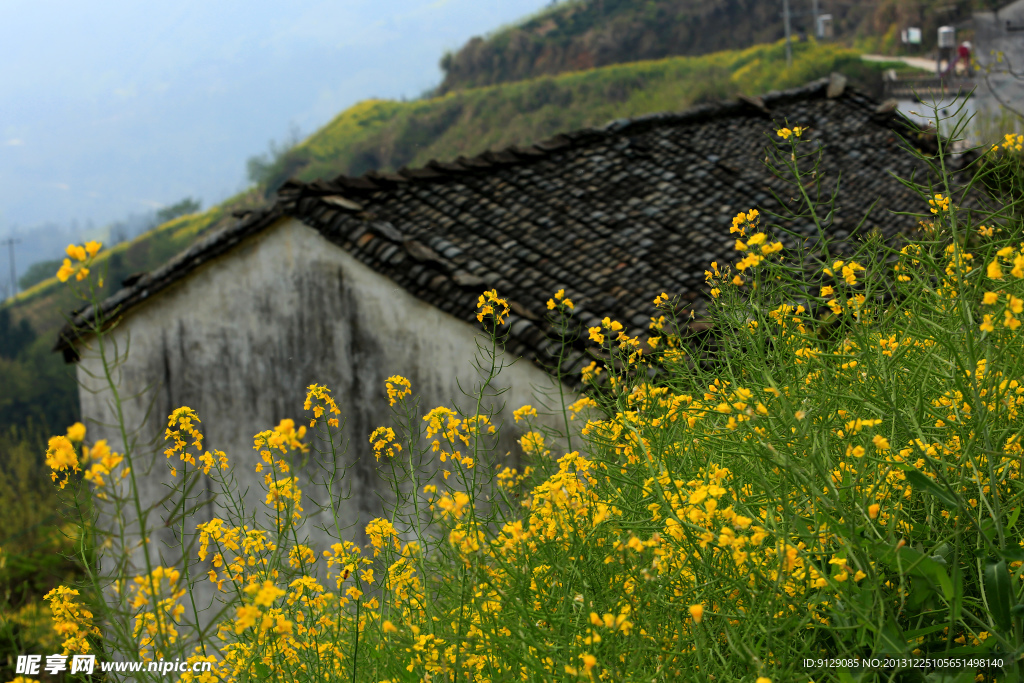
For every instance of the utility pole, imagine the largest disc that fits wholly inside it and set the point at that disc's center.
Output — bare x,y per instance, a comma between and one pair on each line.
789,50
10,242
815,13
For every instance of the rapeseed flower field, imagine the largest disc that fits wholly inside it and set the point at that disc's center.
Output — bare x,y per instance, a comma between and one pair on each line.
831,493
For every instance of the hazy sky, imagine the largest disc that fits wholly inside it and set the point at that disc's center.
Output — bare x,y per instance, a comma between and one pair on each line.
113,107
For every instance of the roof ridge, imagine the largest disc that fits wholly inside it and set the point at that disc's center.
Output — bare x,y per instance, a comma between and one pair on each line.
434,169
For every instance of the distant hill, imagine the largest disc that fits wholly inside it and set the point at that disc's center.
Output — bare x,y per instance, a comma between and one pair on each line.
583,34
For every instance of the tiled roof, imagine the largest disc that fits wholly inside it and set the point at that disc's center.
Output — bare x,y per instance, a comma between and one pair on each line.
614,215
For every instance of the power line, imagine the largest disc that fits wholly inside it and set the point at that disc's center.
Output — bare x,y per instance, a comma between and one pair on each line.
10,242
789,50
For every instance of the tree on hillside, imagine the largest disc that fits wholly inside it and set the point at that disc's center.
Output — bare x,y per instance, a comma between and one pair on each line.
182,208
281,162
36,273
13,338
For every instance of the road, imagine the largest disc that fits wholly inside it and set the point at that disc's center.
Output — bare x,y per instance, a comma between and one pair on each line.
916,62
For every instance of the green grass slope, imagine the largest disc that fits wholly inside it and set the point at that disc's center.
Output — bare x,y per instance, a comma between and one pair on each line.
43,303
387,135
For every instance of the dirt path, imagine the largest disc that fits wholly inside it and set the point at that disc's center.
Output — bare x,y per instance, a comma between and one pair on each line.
916,62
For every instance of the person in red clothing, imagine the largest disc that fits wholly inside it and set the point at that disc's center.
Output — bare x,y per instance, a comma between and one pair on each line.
964,57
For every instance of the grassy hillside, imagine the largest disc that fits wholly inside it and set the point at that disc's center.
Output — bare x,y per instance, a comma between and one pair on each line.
580,34
43,303
387,135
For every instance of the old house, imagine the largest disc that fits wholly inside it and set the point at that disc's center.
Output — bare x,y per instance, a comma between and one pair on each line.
345,282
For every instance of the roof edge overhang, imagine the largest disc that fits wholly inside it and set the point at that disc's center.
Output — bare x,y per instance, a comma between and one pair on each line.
82,321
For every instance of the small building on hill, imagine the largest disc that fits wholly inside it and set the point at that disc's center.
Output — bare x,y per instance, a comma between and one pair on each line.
349,281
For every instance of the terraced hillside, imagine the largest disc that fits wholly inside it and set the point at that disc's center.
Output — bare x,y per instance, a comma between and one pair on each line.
583,34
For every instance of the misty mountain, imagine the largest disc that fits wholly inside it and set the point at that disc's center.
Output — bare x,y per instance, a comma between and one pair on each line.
118,109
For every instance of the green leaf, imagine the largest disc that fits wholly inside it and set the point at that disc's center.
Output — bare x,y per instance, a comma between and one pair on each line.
920,591
1012,554
261,670
891,639
1013,518
998,593
919,481
958,592
988,529
961,676
917,563
846,677
917,633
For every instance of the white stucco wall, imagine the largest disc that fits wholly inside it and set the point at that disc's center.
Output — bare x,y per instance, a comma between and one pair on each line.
994,32
241,338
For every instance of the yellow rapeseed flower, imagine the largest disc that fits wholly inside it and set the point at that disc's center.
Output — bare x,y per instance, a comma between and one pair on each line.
266,593
76,432
61,456
383,440
559,301
591,372
938,204
65,271
524,412
76,252
697,613
1018,266
489,304
398,388
994,271
246,617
